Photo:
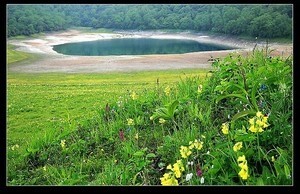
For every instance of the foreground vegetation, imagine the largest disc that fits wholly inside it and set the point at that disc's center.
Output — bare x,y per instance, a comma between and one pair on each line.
231,127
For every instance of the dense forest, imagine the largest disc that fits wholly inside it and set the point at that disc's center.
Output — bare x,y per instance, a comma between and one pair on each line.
265,21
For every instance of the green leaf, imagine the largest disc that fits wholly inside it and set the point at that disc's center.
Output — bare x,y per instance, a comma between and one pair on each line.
161,165
253,98
247,137
172,107
232,95
260,181
249,152
242,114
240,87
150,155
139,153
287,171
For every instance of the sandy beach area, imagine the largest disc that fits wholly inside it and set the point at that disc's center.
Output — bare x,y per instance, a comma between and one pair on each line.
51,61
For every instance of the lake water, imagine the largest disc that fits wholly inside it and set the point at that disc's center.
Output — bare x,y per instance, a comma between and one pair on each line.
135,46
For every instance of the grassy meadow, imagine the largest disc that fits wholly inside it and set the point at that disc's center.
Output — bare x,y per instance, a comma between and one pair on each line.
231,126
40,103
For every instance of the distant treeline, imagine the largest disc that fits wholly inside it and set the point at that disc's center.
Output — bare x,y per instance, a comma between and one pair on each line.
265,21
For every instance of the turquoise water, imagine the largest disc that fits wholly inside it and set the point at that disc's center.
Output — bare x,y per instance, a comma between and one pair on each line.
135,46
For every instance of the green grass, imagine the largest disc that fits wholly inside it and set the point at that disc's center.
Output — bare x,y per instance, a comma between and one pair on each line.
15,56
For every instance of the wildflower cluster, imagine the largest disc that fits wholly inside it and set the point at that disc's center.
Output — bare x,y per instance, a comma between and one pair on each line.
225,128
258,123
237,146
199,89
185,151
167,90
244,167
175,173
130,122
134,96
196,144
170,177
161,121
63,144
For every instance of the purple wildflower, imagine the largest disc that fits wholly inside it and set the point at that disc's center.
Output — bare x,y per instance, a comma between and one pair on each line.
121,135
198,171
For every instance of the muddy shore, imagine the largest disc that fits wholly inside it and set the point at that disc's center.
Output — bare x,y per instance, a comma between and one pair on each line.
51,61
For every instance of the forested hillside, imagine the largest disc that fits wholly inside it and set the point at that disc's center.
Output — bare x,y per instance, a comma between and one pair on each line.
265,21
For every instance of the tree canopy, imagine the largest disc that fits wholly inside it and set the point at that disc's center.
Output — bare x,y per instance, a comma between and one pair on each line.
265,21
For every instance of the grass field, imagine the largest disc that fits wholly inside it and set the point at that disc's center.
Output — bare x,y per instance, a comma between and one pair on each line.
37,101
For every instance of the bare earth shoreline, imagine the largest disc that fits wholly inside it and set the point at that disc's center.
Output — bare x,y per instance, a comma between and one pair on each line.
51,61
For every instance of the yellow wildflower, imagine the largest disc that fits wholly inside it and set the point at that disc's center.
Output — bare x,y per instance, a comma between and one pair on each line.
191,145
198,145
179,162
167,90
161,121
251,121
200,88
151,118
273,159
259,114
225,128
252,129
133,96
136,136
244,167
185,151
130,122
176,170
168,179
241,158
258,122
237,146
265,119
44,168
244,174
169,167
63,143
259,129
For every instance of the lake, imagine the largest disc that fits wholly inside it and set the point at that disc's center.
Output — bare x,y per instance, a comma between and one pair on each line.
135,46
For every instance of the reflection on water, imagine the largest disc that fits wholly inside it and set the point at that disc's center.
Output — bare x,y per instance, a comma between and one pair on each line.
135,46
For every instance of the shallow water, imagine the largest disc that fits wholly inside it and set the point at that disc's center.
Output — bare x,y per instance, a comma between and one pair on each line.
135,46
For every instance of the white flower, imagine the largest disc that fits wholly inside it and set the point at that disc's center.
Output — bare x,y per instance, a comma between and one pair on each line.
207,152
202,180
190,163
189,176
